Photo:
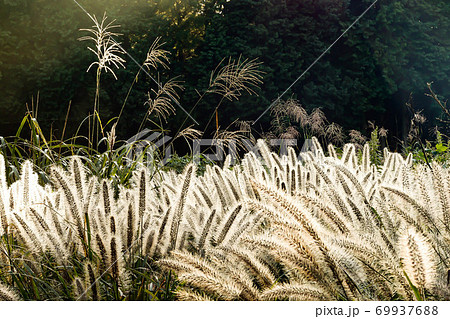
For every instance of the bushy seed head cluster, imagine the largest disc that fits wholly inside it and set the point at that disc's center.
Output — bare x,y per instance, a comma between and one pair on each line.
297,227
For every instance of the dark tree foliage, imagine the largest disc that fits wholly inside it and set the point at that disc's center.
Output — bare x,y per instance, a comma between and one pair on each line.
388,56
394,50
40,55
408,42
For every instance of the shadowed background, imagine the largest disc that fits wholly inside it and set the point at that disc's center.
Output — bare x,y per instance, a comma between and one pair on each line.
388,57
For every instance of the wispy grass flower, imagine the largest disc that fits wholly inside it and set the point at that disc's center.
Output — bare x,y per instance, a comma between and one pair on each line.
160,101
106,49
156,56
236,77
334,133
108,53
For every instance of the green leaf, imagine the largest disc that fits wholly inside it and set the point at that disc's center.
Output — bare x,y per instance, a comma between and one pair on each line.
441,148
414,288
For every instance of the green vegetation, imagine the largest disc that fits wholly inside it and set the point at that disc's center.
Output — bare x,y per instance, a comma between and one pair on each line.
88,212
394,50
271,228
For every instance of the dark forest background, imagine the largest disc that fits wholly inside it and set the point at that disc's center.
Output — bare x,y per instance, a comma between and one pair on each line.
383,62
